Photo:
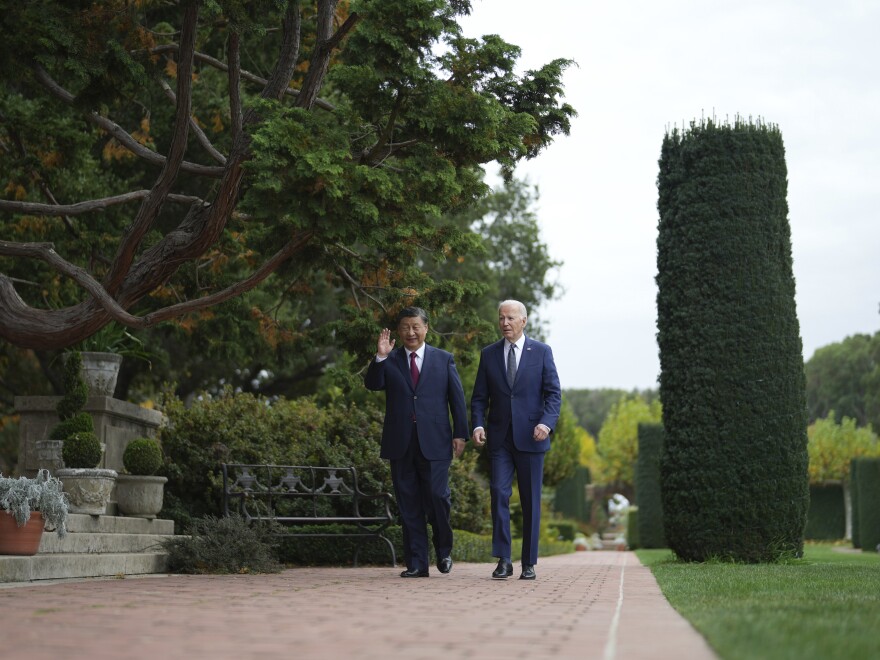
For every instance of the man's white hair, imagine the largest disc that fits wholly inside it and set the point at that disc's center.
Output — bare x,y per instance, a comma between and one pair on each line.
513,303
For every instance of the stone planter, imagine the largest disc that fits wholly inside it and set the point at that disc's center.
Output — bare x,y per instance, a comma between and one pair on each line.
88,490
100,371
140,496
49,455
24,540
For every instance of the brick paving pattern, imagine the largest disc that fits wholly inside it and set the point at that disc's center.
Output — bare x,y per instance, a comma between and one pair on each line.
602,605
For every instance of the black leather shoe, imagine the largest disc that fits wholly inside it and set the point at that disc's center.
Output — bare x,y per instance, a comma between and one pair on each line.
503,571
414,572
528,572
444,565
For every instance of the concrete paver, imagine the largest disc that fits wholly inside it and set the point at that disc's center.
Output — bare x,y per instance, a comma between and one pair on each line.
602,605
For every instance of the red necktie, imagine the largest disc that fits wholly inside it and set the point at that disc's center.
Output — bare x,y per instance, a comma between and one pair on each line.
413,369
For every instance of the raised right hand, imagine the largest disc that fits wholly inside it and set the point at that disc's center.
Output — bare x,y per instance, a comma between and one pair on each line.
385,343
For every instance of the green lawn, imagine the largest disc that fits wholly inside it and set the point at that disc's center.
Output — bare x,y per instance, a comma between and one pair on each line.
826,605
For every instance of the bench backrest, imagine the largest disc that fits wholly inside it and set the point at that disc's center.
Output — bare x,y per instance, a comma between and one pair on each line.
290,490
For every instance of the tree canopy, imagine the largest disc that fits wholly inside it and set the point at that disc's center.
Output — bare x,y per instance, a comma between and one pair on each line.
162,158
845,377
618,446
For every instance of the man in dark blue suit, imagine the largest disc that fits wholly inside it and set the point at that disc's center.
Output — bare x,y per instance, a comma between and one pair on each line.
421,387
517,383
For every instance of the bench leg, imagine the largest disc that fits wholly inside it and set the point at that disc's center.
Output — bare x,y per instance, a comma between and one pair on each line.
390,547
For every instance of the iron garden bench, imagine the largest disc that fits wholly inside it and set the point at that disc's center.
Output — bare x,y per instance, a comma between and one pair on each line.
298,496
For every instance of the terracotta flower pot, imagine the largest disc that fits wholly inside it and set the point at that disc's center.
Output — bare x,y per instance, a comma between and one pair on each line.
25,540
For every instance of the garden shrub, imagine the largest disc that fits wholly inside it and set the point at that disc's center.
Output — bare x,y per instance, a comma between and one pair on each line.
242,428
142,456
570,497
632,528
734,464
81,450
826,518
76,391
471,507
854,501
338,550
869,503
648,487
223,545
565,530
81,422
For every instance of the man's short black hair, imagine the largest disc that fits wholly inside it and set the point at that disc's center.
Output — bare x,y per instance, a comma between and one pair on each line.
409,312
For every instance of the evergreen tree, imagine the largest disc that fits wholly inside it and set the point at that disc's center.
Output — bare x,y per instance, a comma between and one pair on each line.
734,465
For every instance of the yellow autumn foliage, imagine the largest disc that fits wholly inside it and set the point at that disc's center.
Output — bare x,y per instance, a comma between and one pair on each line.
831,447
619,439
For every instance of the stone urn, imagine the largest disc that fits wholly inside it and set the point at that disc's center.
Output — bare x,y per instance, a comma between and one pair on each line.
100,371
140,496
49,455
88,489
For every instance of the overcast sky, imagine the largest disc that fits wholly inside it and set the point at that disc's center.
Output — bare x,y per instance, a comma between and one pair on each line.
811,67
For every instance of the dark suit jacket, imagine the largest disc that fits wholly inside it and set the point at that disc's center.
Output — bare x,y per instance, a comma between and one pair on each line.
535,398
439,392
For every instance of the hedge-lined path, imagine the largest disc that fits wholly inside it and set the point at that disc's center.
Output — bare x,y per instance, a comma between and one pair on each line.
586,605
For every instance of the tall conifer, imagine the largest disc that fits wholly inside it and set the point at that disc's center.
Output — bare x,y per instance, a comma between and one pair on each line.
734,465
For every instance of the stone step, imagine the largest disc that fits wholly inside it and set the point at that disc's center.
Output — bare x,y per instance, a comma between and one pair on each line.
80,522
83,542
95,546
60,566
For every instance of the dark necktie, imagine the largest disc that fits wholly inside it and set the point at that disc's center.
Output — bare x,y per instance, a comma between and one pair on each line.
413,369
511,364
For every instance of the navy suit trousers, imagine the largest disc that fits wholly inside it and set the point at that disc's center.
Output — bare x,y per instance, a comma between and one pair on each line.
507,461
422,490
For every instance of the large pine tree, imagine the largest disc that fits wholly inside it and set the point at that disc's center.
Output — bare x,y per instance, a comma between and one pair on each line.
734,466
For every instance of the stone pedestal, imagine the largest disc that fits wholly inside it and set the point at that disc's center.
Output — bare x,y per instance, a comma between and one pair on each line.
117,423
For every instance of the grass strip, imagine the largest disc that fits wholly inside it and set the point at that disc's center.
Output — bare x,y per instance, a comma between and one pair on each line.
826,605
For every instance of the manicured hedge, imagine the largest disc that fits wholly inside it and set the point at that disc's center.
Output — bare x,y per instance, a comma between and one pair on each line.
570,498
869,503
648,487
734,467
854,501
632,528
826,519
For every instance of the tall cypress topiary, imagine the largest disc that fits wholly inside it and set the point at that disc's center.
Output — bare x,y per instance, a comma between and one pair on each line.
734,465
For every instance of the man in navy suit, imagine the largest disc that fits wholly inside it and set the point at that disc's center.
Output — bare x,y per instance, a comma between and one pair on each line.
517,383
421,388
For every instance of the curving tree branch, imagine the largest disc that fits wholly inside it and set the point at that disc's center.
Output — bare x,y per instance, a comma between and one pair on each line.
30,331
121,135
79,208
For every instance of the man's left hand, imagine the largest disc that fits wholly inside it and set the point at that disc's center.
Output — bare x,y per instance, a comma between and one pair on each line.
458,445
540,433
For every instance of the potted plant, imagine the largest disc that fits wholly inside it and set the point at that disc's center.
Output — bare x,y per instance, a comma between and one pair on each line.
69,409
27,506
88,487
102,355
139,493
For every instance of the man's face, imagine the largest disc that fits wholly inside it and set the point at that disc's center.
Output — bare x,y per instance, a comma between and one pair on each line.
412,332
512,322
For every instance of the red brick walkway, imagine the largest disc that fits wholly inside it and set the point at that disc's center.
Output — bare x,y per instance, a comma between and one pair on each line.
601,605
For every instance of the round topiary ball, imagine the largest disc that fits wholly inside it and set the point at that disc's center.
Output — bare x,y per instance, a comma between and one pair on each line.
142,456
81,450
